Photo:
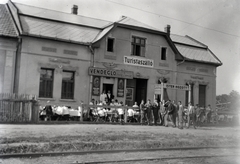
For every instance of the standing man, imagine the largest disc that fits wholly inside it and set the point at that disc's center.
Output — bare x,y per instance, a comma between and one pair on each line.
170,111
148,105
208,113
109,96
191,116
162,112
155,108
103,96
143,111
180,115
175,113
91,110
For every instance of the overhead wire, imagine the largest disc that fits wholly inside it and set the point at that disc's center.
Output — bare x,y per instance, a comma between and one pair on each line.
160,15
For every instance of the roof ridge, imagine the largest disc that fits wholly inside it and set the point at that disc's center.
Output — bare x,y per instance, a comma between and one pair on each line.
61,12
196,41
121,19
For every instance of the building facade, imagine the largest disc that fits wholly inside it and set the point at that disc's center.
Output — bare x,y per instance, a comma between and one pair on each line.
8,50
67,58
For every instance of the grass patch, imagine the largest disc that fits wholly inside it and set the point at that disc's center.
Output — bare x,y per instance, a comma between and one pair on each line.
110,141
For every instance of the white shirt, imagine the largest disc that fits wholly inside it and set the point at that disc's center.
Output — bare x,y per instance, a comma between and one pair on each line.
101,113
99,108
103,96
130,112
120,110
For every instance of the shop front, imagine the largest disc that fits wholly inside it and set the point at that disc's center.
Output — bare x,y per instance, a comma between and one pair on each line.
109,81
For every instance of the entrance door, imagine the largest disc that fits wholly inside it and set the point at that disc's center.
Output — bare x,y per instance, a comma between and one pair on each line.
141,90
108,87
202,95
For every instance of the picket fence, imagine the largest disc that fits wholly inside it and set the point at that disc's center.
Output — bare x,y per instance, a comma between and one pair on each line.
16,108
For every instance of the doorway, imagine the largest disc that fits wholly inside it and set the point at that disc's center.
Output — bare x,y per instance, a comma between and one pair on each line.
108,87
141,90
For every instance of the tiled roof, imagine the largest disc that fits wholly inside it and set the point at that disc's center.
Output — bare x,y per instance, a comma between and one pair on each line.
197,54
60,16
58,30
186,40
7,27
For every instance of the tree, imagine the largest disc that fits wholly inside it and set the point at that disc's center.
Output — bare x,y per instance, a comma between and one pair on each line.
235,100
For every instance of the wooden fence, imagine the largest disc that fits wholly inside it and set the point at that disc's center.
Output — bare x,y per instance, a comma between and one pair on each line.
18,108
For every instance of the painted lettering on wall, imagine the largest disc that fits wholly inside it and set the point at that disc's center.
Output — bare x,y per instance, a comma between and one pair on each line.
110,73
176,86
138,61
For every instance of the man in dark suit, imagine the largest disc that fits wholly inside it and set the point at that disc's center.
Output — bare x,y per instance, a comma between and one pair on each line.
109,96
170,113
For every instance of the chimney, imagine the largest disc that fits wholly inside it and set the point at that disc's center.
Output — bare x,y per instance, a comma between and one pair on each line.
167,29
75,9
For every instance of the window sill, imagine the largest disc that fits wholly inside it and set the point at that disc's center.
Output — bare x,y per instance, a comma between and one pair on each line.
68,100
46,99
139,56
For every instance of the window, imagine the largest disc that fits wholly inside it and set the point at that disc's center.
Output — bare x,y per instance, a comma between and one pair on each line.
202,95
110,43
164,53
46,83
138,46
67,85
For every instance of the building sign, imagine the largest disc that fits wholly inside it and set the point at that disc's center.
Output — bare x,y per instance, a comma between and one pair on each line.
110,73
176,86
120,88
158,87
143,62
96,86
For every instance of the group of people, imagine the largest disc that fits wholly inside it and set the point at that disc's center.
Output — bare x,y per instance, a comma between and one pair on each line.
174,113
148,113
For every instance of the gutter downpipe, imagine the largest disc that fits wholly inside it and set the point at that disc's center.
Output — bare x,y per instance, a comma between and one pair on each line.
91,77
16,69
177,76
181,62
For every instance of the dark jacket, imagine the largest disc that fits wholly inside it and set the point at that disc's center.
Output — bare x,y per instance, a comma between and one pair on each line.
171,108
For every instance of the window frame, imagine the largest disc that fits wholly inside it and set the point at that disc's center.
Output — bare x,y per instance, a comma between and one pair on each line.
113,42
43,92
163,54
65,94
142,46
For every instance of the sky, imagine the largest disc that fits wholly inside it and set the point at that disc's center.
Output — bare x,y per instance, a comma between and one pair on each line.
216,23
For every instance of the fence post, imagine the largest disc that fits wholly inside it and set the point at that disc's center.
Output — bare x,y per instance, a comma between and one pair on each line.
81,112
125,114
35,111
